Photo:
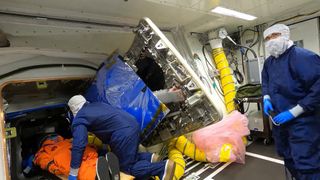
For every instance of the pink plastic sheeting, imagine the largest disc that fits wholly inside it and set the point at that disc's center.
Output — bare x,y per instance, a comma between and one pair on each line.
229,130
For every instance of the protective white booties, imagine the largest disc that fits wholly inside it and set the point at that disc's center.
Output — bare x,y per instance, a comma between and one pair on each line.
75,103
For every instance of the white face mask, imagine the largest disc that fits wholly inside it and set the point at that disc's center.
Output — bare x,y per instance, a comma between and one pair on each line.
277,46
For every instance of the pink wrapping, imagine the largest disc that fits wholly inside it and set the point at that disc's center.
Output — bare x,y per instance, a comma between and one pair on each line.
229,130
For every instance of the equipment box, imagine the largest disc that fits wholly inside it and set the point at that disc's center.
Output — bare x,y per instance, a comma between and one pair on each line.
259,124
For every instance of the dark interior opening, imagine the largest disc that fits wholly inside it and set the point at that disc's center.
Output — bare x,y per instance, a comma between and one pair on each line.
36,109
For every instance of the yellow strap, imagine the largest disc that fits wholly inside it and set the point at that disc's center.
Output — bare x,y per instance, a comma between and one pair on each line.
225,152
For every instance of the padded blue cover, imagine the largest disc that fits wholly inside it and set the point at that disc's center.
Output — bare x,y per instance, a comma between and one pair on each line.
118,85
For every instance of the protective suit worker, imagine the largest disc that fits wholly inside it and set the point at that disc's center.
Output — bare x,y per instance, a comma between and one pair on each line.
118,129
291,89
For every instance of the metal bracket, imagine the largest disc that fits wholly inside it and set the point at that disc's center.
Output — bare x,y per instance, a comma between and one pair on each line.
11,132
160,45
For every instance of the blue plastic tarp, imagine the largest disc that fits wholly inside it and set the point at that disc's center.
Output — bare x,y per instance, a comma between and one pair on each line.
118,85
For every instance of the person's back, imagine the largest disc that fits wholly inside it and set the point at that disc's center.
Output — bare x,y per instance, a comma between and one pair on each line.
103,120
118,129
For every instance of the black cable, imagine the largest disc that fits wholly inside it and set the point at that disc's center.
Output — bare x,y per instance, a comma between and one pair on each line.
205,70
205,57
299,15
219,89
44,66
215,89
248,30
242,62
246,56
207,62
238,75
251,50
255,42
207,82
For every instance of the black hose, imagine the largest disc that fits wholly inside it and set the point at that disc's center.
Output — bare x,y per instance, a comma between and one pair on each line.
205,57
251,50
299,15
207,62
254,43
238,75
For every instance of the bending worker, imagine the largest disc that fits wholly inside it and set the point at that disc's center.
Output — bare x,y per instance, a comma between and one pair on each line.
118,129
291,88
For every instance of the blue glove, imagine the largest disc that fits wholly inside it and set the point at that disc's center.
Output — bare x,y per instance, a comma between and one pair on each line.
28,165
30,160
72,177
267,106
283,117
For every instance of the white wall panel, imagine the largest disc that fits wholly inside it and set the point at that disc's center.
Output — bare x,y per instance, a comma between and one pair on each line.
308,32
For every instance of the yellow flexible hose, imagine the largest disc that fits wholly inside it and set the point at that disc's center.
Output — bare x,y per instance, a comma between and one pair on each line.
179,146
92,139
182,144
227,83
188,148
176,156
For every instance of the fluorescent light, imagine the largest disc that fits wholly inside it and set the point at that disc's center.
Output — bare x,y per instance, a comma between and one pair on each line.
233,13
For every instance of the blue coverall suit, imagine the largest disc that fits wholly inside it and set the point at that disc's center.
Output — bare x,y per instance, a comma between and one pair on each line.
118,129
294,78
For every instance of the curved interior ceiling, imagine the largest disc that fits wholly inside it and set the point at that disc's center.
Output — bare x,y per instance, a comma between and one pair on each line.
37,23
194,14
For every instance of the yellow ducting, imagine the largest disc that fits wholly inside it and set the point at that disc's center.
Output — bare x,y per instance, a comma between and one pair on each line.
176,156
182,144
92,139
189,149
179,146
226,75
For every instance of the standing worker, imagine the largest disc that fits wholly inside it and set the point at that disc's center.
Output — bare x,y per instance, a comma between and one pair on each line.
291,89
118,129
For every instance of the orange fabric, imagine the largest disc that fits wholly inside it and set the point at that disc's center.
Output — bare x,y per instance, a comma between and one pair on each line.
55,156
